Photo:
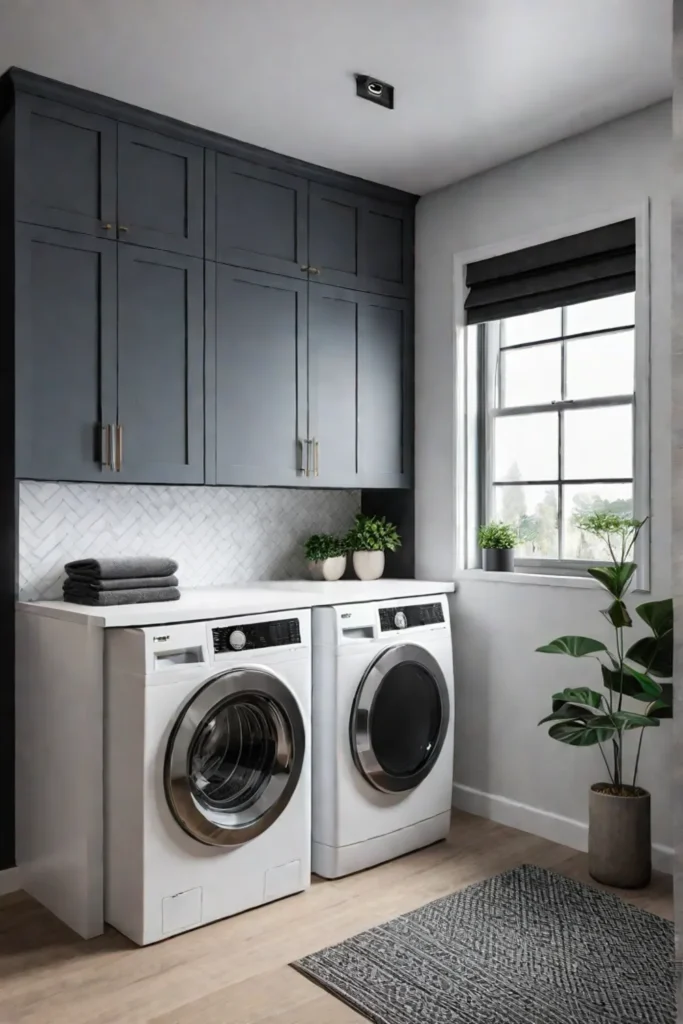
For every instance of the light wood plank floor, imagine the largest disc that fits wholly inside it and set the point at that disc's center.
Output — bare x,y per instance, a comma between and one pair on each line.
235,971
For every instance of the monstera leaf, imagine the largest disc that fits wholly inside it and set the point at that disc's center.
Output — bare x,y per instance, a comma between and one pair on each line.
576,646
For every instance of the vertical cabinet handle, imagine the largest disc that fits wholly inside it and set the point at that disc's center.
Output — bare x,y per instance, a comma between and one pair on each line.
105,451
119,448
303,468
316,456
123,228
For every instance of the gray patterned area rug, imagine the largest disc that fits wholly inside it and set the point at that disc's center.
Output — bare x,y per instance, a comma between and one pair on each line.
527,947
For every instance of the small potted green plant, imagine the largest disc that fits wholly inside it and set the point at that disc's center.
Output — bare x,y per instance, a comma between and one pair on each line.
497,542
326,556
369,538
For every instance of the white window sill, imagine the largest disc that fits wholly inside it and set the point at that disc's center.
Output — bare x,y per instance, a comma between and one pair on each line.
527,579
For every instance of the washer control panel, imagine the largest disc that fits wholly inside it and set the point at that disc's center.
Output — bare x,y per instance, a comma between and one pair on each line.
407,616
251,636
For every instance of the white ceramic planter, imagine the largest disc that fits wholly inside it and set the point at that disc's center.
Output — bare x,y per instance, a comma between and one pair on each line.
368,565
329,569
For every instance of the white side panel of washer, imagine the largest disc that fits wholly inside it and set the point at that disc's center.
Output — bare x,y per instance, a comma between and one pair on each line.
59,818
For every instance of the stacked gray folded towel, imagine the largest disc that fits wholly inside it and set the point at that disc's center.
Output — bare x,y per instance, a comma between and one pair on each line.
109,581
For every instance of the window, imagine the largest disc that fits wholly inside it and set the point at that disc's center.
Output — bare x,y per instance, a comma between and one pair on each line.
557,434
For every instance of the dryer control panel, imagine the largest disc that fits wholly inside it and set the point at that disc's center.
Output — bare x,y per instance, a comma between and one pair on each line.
407,616
251,636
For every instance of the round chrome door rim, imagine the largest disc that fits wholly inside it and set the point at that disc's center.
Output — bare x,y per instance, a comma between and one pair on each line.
361,743
208,825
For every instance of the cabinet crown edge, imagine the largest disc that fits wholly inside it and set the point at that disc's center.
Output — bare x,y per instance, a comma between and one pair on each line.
17,79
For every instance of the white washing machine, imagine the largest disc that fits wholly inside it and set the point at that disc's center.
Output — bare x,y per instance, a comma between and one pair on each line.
207,770
382,731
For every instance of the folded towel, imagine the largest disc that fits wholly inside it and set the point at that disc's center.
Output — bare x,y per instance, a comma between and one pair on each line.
112,597
122,568
92,586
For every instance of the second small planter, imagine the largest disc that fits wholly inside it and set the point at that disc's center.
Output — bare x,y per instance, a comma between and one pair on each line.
498,559
368,565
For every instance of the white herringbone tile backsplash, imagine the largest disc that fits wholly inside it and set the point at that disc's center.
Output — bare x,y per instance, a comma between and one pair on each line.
219,535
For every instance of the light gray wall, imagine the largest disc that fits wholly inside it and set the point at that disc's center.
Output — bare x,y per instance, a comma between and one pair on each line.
502,686
677,467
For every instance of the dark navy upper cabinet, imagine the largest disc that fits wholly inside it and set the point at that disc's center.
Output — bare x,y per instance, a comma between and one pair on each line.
160,191
256,216
65,329
359,242
385,383
359,381
66,167
258,362
160,422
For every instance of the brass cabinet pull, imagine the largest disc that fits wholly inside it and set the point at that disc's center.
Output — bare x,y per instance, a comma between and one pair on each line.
314,270
119,447
122,227
107,227
105,453
304,266
316,456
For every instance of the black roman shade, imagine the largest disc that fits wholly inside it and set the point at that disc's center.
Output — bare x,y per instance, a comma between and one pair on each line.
590,265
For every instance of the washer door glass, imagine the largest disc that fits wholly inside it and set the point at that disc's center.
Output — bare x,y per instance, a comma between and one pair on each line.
234,757
400,718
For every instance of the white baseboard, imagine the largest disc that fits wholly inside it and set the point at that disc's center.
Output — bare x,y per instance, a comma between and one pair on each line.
9,881
554,827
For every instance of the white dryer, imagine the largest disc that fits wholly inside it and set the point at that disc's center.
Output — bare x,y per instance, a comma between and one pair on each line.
382,731
207,770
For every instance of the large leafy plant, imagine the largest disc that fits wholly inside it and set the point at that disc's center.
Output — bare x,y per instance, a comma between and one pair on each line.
584,717
372,533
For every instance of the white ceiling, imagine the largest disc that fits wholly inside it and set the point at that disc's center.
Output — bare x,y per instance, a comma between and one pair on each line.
478,82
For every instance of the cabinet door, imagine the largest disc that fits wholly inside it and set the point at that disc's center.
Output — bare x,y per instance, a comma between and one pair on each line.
385,381
66,167
160,191
359,242
260,375
260,217
333,374
160,366
65,352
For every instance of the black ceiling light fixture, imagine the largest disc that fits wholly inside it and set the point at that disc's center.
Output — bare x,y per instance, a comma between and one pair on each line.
369,88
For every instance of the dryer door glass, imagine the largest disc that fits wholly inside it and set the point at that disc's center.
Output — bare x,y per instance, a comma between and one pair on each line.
234,757
400,718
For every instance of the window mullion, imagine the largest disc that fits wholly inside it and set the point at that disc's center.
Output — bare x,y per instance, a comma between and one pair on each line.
560,437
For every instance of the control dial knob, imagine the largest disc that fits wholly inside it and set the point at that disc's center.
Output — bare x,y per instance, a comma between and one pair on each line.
237,640
400,620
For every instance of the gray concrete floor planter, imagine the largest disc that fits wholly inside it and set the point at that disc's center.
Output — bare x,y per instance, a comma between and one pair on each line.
619,843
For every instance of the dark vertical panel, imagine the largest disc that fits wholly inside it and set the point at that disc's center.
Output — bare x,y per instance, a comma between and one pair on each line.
260,377
161,366
66,351
333,369
8,519
261,218
160,191
209,372
398,506
66,161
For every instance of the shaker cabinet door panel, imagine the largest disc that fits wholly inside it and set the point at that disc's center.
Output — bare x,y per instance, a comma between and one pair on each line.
260,374
333,399
359,242
160,191
260,217
65,167
384,388
160,367
65,321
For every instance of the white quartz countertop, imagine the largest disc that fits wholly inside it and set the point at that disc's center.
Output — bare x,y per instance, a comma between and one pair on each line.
243,599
